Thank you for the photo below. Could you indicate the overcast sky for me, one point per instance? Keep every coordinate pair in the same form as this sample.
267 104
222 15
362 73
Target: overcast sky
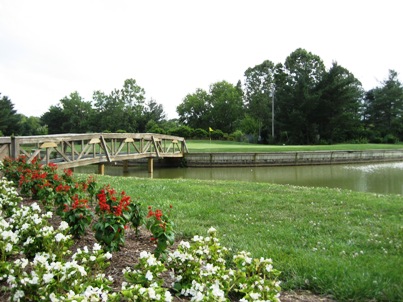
51 48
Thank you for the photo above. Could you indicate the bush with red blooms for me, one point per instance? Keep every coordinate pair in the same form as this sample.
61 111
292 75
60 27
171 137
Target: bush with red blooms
78 215
113 217
55 190
71 199
162 228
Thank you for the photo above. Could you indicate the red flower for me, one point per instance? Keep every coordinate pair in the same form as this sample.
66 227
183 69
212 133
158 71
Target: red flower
68 172
158 214
150 213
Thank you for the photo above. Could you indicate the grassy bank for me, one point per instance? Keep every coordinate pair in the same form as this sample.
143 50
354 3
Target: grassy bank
227 146
342 243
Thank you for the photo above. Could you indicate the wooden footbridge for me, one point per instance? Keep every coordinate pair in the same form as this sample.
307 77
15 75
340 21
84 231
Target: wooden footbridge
74 150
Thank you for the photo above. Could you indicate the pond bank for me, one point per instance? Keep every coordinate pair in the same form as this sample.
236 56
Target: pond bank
242 159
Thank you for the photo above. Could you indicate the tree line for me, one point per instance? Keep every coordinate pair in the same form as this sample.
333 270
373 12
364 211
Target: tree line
299 101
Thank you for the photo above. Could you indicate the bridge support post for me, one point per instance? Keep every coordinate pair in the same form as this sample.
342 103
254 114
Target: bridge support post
150 165
125 166
15 148
101 169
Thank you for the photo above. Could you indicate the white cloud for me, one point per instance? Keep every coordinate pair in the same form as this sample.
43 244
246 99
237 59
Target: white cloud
52 48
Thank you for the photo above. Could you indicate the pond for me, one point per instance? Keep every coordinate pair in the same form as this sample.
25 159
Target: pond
383 178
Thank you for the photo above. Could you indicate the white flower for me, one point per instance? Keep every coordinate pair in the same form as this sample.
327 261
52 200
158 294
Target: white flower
198 297
151 260
34 280
63 226
47 277
143 254
96 247
59 237
9 247
53 298
108 255
10 279
35 207
40 258
149 276
18 295
185 244
217 292
269 267
82 270
93 258
151 293
197 238
25 226
212 231
254 296
168 296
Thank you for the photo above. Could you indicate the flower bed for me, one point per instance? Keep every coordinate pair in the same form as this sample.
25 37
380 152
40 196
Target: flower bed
44 257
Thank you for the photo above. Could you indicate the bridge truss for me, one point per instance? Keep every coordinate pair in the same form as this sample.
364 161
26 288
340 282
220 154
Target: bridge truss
73 150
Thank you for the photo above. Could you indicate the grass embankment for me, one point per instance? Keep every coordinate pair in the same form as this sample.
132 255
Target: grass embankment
227 146
342 243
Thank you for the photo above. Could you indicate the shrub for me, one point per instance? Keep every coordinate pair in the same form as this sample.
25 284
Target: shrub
183 131
217 134
200 133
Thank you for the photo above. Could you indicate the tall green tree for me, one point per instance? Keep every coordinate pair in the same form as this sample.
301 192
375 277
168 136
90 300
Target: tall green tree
152 112
53 119
194 111
259 88
338 111
9 119
384 108
32 126
122 109
78 114
72 115
226 106
220 108
297 97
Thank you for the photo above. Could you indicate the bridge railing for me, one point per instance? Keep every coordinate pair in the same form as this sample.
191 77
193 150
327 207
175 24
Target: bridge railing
72 150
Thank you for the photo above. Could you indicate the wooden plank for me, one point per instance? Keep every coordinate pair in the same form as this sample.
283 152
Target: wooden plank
156 145
3 148
94 141
48 145
105 147
66 158
33 155
122 144
145 148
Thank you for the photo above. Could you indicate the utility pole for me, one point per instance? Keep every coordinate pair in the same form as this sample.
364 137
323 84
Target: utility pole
272 111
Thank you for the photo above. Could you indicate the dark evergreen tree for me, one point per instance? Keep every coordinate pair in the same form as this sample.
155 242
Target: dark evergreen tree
384 109
9 119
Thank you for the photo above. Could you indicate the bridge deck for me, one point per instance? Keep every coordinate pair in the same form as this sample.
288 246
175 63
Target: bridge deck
73 150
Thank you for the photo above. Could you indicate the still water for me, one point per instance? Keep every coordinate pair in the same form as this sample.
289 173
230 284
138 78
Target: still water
384 178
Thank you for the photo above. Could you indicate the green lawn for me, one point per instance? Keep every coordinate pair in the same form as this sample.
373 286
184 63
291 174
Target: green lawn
227 146
342 243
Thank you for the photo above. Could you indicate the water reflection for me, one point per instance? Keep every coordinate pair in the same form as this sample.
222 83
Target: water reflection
384 178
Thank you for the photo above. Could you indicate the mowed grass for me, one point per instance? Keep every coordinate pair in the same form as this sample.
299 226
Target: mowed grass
345 244
228 146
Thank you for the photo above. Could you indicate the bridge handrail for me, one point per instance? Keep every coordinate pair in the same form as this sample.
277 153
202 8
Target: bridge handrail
95 147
